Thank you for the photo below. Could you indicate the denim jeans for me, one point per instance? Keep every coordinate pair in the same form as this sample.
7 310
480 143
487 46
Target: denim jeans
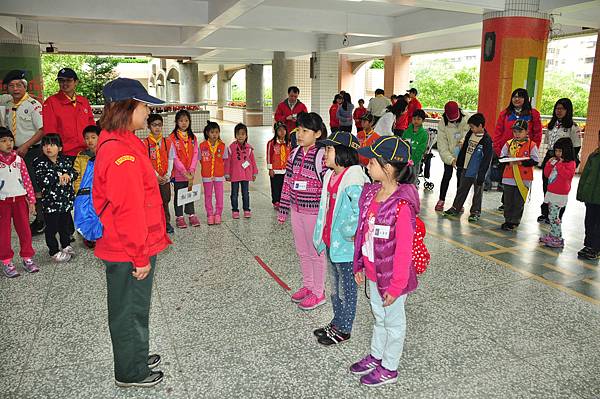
343 294
389 330
235 186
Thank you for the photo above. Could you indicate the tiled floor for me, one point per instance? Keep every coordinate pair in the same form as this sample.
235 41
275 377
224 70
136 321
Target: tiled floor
495 316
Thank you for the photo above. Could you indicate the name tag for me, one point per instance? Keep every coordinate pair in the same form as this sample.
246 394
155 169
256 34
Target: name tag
245 164
381 231
300 185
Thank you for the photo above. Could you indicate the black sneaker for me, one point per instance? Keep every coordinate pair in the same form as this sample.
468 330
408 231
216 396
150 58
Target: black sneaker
322 332
507 226
37 227
543 219
501 208
154 378
452 212
592 255
153 361
333 337
584 251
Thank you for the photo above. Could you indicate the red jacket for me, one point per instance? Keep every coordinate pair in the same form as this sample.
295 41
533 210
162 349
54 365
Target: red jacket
503 131
566 172
413 105
60 116
126 196
283 111
359 113
333 120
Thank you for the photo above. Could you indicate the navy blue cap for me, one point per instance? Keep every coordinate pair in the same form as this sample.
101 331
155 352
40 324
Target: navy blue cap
390 148
278 125
340 138
520 124
128 89
67 73
15 74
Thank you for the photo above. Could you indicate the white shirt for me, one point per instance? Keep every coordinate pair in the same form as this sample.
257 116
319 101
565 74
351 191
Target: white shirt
29 117
385 124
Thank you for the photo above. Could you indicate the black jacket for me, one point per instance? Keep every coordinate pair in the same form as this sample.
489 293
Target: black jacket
55 198
488 151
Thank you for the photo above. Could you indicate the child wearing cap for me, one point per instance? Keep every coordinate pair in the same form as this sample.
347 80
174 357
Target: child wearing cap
518 175
383 254
366 136
473 162
278 149
335 230
417 138
17 202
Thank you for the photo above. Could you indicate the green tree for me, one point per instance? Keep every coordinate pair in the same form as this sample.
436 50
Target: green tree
377 64
439 83
558 85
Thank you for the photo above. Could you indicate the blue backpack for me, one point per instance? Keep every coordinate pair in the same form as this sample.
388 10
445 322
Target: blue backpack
86 220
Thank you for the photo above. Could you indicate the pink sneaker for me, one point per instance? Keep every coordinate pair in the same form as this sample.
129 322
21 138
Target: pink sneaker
276 205
379 376
365 365
235 215
247 214
180 222
439 207
210 220
312 302
217 219
299 295
194 221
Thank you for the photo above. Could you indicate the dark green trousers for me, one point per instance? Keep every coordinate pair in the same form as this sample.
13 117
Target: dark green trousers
128 316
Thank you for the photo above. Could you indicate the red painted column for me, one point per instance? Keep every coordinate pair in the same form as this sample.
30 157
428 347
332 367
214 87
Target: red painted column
513 55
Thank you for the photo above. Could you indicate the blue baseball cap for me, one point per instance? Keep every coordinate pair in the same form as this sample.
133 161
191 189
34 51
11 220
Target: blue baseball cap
340 138
125 89
390 148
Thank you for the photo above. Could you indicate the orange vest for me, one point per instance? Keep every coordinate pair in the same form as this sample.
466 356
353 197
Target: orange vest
162 154
210 168
524 151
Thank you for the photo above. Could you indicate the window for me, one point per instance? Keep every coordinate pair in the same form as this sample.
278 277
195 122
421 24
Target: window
589 60
587 75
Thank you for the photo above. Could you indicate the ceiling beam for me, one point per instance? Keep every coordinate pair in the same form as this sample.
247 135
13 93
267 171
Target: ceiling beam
466 6
158 52
250 39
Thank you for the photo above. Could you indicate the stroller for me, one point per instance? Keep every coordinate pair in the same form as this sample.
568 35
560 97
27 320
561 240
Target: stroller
425 167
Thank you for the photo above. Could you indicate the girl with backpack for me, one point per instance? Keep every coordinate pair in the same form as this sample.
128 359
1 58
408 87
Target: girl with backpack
335 230
300 197
383 253
184 152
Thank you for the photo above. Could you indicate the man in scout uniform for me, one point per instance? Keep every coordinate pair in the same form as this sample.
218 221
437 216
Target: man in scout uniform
23 116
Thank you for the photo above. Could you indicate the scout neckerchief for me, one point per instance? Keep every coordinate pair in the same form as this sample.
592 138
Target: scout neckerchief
72 99
515 145
156 143
184 154
213 155
282 151
14 110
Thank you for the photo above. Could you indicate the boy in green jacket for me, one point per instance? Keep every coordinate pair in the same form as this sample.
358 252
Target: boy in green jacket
588 192
417 137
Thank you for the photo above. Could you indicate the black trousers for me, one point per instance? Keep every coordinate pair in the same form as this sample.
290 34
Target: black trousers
463 191
427 165
592 226
189 207
276 187
128 302
448 170
514 204
235 186
58 223
544 207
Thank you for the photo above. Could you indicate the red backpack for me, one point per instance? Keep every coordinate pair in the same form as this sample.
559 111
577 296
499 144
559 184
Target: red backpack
420 254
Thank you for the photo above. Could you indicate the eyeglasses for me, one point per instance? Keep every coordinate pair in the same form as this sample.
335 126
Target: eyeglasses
66 80
156 124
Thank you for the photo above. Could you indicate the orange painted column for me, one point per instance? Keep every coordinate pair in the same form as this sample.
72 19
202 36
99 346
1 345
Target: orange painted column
345 75
513 55
592 127
395 72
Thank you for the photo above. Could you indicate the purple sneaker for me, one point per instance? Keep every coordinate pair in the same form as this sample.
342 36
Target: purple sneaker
29 266
379 376
554 242
365 366
10 270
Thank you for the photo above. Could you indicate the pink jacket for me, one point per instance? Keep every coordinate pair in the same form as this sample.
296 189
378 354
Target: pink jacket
240 164
566 171
178 167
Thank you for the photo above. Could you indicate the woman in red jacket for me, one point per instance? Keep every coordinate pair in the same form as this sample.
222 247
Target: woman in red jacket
127 199
519 108
334 122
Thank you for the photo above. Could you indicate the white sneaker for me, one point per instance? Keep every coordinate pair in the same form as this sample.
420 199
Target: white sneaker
61 257
69 250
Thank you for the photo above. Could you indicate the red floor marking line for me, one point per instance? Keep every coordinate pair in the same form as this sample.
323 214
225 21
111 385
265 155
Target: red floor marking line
272 273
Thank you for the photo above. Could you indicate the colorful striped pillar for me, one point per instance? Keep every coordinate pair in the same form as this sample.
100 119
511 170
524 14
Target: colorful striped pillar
513 55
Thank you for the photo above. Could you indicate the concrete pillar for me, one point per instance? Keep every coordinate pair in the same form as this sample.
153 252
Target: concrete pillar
221 91
396 72
280 78
172 91
254 95
325 81
24 53
189 88
592 126
345 76
202 87
513 55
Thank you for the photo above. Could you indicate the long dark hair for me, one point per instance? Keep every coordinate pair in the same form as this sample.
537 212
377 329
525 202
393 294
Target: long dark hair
567 121
312 121
347 100
403 173
345 156
181 113
286 138
460 116
336 97
526 109
237 128
399 107
566 145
